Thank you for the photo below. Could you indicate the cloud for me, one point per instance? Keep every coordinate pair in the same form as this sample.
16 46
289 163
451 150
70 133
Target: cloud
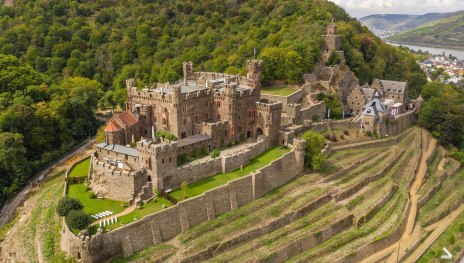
365 7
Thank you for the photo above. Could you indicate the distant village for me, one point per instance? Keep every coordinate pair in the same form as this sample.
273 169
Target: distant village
446 68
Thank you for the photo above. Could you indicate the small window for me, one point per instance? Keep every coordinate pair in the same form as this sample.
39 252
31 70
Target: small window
169 159
162 160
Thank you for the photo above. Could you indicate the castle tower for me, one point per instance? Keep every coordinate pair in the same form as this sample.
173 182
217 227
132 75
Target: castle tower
130 84
269 120
254 70
332 41
187 68
299 146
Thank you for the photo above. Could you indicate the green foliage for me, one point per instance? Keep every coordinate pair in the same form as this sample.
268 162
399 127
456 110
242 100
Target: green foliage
332 103
166 135
77 219
334 59
314 144
443 113
215 153
67 204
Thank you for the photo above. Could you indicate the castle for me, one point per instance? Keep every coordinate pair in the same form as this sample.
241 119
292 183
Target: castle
144 146
203 110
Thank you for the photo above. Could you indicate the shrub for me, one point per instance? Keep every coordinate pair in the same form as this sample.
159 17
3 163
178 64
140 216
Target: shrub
67 204
369 133
342 136
215 153
315 118
242 137
327 136
346 132
333 138
166 135
92 195
77 219
203 151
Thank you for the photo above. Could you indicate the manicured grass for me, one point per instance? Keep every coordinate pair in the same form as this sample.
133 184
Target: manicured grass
80 170
279 91
147 209
201 186
93 205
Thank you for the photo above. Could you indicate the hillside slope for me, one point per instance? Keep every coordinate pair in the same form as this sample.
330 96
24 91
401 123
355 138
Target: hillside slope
387 24
447 32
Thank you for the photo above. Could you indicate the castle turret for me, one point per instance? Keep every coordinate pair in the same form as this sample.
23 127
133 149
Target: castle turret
299 146
269 120
254 70
177 94
187 68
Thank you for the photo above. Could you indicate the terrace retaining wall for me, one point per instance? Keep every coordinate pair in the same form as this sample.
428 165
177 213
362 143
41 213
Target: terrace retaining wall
168 223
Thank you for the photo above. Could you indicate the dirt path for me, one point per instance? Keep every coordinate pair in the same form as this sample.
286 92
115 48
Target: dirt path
10 208
438 228
408 238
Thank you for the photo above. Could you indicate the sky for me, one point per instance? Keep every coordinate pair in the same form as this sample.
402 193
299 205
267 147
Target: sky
360 8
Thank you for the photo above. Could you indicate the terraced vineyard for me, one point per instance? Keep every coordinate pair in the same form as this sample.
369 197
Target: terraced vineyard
368 203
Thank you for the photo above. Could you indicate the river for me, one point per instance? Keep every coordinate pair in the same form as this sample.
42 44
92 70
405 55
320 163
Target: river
434 50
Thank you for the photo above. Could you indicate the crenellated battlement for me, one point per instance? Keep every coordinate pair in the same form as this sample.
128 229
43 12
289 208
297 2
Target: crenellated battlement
107 168
264 105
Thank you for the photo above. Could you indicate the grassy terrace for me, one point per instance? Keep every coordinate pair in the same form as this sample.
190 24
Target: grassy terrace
93 205
147 209
452 239
81 170
279 91
199 187
451 192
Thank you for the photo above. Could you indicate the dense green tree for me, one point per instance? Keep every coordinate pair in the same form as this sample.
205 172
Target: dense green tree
77 219
68 204
314 144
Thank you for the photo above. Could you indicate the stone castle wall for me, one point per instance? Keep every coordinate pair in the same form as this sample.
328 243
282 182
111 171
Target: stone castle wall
293 98
318 109
198 170
168 223
109 182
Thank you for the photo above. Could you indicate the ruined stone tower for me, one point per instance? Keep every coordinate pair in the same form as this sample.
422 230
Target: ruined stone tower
187 68
254 70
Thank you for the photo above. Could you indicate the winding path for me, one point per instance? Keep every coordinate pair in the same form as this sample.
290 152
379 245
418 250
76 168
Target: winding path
408 236
10 207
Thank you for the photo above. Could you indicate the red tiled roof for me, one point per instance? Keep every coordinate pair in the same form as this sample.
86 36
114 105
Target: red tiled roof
128 118
112 126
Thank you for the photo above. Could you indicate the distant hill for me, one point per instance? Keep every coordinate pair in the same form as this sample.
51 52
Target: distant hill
385 25
448 32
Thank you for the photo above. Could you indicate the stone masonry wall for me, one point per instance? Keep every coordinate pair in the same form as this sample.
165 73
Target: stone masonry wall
318 109
293 98
195 171
168 223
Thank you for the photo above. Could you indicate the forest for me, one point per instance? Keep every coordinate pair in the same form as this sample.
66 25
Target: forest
63 59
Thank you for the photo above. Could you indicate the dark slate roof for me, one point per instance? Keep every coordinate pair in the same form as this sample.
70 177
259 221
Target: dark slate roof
192 139
373 107
119 149
397 87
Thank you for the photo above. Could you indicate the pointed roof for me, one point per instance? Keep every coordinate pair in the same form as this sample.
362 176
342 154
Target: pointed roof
128 118
113 126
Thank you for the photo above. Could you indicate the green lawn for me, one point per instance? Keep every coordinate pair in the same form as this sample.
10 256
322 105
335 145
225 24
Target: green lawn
147 209
80 170
279 91
93 205
214 181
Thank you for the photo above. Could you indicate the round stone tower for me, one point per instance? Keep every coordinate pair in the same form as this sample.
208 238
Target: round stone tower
299 146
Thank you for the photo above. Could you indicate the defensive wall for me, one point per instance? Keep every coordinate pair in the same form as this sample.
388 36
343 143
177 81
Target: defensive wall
168 223
293 98
206 167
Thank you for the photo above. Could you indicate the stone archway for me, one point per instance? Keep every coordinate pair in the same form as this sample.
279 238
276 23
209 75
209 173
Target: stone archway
259 131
